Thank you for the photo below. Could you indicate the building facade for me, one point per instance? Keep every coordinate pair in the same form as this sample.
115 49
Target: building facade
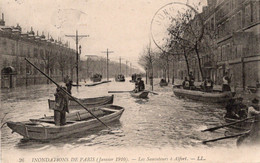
52 57
235 29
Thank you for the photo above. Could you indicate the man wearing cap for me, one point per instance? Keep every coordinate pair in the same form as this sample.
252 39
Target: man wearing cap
61 106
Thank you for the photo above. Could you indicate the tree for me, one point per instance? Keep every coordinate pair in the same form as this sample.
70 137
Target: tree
186 31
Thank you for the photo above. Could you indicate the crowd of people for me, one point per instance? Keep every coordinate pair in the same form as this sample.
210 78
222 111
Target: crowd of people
207 84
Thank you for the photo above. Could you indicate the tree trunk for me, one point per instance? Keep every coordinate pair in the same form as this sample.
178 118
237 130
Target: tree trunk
198 56
187 62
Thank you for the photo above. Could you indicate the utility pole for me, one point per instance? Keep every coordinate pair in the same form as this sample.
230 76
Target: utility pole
77 37
120 64
107 62
130 68
126 68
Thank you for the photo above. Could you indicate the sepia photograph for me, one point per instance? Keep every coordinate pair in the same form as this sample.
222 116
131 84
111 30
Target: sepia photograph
117 81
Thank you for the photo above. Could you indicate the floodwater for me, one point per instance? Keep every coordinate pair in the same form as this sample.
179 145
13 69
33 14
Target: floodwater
162 121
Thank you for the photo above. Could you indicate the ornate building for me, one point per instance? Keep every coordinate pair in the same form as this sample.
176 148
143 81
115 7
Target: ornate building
51 56
235 29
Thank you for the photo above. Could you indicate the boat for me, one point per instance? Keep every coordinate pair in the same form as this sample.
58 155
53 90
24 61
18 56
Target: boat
213 97
120 78
87 102
45 129
243 126
163 83
96 78
97 83
142 94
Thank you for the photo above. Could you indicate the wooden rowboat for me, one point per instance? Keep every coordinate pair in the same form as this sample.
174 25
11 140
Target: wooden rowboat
97 83
45 129
243 126
143 94
214 97
88 102
163 84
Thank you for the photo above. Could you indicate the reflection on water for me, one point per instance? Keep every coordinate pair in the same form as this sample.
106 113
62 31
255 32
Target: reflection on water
160 121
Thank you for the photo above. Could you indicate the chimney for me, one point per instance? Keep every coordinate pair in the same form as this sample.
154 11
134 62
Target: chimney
3 17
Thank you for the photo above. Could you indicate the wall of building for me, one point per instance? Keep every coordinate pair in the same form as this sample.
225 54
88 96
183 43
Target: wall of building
15 46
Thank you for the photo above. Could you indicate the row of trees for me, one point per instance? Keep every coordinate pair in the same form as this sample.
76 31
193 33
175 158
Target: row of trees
187 39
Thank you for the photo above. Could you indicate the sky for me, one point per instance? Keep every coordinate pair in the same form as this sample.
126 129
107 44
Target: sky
122 26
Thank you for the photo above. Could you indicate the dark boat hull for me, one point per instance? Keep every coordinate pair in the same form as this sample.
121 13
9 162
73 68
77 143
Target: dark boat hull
213 97
88 102
143 94
48 131
243 126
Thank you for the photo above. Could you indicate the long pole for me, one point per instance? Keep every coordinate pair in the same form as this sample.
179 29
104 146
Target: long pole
107 67
126 69
130 69
77 57
65 91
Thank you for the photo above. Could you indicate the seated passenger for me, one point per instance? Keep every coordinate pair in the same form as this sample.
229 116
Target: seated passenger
254 108
186 83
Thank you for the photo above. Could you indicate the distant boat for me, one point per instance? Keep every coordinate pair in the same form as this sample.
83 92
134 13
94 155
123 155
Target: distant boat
88 102
97 83
96 78
214 97
163 83
120 78
142 94
45 129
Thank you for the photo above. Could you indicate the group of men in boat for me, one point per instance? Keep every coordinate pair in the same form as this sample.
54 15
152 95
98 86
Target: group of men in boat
139 85
235 109
207 84
188 82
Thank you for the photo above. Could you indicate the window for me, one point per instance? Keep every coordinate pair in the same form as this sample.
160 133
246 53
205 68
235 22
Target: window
247 15
239 20
28 52
13 49
239 51
21 50
41 54
255 11
35 52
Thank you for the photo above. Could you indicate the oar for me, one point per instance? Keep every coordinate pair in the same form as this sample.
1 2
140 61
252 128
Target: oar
119 91
153 92
225 137
229 124
65 91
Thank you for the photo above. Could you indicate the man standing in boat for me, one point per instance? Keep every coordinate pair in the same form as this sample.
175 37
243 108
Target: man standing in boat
68 82
61 107
226 82
186 83
191 80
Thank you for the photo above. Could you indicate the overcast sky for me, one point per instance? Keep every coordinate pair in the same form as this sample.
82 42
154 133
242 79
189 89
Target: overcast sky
122 26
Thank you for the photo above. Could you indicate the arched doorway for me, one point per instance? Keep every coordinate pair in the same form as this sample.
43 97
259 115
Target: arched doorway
8 77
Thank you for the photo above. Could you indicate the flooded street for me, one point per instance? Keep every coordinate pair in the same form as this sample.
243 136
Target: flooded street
162 121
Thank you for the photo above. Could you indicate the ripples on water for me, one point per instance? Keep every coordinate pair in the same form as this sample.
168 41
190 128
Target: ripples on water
162 121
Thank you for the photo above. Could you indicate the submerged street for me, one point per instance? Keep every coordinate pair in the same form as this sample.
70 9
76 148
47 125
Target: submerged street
161 121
